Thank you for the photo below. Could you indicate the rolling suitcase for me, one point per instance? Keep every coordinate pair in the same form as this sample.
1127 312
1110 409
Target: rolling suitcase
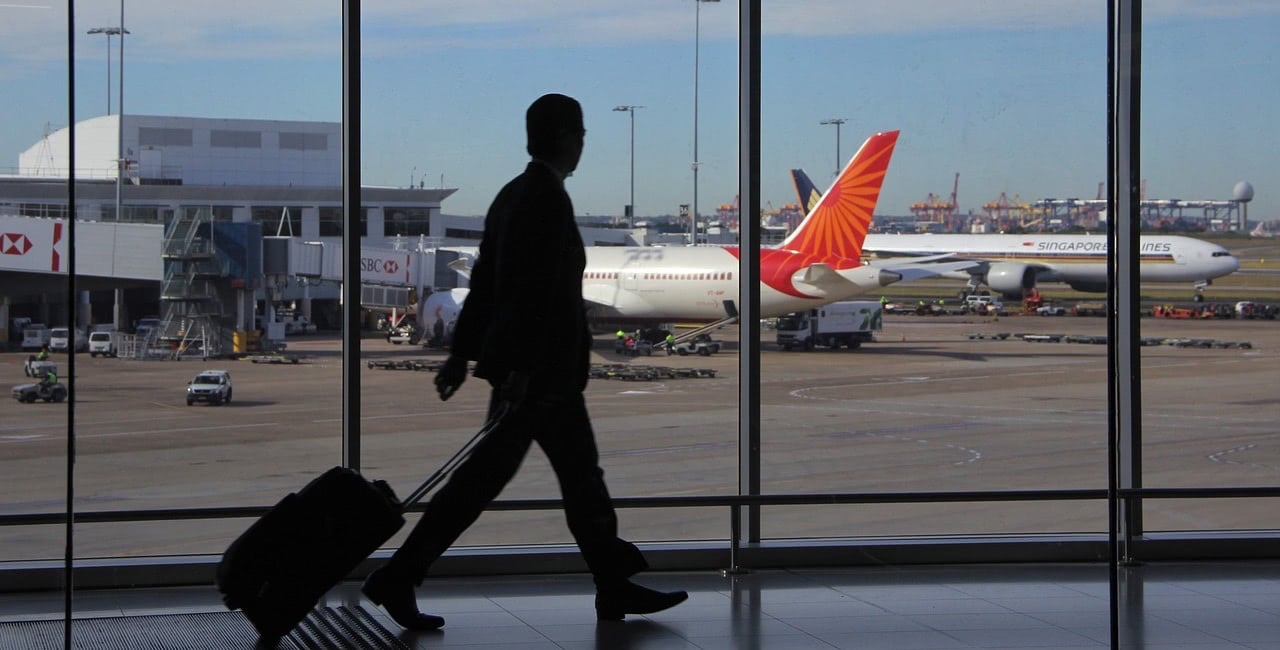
279 568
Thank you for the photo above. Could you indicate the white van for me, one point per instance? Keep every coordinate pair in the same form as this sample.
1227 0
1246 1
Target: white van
35 336
982 304
61 339
102 342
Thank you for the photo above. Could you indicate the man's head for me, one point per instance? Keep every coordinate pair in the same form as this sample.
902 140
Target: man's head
554 127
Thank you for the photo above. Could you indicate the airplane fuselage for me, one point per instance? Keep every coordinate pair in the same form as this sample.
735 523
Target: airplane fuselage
693 283
1068 258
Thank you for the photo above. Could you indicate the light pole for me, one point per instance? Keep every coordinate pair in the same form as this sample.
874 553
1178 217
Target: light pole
120 31
697 20
836 121
109 31
631 207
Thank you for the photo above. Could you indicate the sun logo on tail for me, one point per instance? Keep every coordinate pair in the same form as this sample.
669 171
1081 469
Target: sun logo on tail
836 228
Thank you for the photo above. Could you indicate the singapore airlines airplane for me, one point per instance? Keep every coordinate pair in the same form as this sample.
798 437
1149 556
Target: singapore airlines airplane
1013 264
819 263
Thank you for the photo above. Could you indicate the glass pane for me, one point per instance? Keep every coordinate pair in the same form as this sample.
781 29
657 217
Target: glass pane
906 387
173 276
1208 408
34 280
445 100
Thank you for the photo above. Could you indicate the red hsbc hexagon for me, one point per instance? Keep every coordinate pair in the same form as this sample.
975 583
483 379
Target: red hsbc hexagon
390 266
14 243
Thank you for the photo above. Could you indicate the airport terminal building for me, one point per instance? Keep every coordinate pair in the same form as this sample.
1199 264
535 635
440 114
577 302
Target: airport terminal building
253 179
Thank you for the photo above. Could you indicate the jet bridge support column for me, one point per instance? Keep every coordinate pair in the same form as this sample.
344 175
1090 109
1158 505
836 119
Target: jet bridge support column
120 311
5 334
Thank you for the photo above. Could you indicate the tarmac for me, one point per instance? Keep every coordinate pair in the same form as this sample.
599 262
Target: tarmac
943 403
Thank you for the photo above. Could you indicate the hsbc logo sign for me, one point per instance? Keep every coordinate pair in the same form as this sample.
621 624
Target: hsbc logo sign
28 244
391 268
375 265
14 243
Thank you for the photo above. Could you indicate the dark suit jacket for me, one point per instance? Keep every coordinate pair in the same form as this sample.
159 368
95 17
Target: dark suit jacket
524 311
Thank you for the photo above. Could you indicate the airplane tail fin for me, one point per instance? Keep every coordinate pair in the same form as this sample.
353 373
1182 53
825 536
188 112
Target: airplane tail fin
806 190
838 224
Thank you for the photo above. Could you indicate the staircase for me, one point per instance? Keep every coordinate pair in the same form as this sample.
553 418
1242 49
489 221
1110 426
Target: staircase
189 297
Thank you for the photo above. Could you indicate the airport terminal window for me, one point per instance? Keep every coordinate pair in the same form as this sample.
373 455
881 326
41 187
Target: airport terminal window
331 221
928 405
924 403
49 210
235 139
304 141
1225 436
276 222
406 222
149 136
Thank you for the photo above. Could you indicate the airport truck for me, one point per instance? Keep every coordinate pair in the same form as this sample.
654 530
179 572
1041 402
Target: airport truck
848 323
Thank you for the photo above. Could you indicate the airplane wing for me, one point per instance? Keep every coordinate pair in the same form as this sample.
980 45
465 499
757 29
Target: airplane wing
896 261
918 271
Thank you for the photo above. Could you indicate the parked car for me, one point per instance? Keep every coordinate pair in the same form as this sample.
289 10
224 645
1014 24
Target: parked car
983 304
35 336
1051 310
102 342
212 386
60 340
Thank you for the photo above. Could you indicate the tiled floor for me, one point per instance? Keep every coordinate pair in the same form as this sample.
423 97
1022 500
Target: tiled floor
1172 606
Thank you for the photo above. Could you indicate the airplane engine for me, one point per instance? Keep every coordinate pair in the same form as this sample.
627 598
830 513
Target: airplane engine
1010 279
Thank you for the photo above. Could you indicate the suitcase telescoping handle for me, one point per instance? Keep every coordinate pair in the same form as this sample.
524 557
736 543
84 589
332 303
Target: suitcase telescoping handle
455 460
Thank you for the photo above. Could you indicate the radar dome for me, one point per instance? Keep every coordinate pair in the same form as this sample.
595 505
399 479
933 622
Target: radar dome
1243 191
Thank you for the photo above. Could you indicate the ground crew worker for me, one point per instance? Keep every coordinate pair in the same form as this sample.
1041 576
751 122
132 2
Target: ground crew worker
671 343
50 378
43 354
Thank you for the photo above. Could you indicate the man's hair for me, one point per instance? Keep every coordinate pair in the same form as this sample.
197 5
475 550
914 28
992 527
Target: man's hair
548 117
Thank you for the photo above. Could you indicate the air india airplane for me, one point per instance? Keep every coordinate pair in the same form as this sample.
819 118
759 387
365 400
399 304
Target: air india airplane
819 263
1014 264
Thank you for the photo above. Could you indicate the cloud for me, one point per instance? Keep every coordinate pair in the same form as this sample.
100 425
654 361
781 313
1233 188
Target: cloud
302 29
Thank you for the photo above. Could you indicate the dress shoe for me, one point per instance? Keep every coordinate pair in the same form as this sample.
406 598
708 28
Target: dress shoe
397 597
616 601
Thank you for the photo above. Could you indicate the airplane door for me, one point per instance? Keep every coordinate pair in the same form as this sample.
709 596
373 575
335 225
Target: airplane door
630 280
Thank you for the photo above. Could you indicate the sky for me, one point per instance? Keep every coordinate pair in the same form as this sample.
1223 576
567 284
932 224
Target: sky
1009 94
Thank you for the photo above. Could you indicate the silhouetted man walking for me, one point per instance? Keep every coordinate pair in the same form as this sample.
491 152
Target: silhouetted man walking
526 291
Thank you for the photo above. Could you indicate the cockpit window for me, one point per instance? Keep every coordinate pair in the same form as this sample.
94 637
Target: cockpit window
1221 253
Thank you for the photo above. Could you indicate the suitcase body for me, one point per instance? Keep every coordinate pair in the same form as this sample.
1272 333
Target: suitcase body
279 568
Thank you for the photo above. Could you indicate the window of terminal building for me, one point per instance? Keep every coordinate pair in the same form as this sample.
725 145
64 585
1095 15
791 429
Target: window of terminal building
463 233
331 221
279 221
49 210
406 222
222 213
304 141
149 136
235 139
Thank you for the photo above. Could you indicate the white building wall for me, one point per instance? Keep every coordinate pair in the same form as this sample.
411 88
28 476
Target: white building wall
199 163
